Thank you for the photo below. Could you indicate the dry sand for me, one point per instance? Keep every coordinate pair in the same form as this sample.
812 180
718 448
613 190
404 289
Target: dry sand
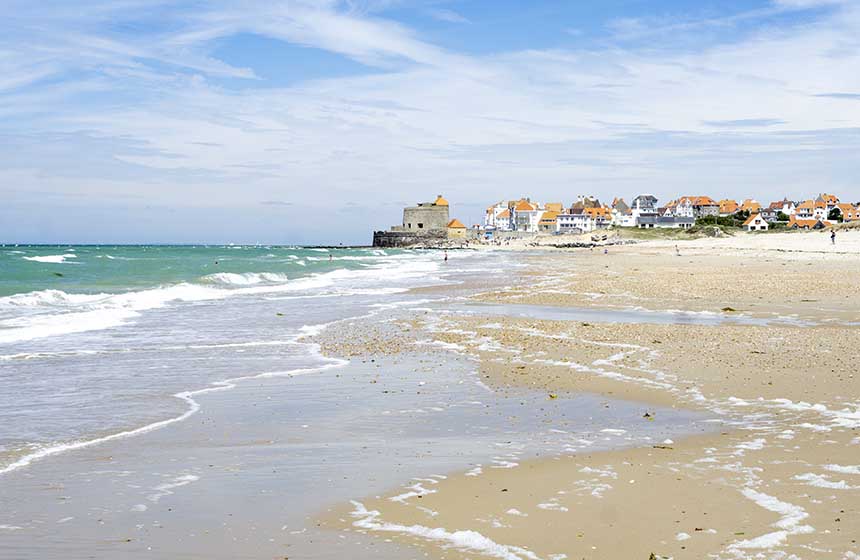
782 482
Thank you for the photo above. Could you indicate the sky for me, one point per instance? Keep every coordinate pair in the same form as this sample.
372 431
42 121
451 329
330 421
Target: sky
316 121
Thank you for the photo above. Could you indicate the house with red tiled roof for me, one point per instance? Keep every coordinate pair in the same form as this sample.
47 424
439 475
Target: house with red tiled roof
548 222
820 210
829 200
785 206
583 202
800 223
850 213
751 206
727 207
703 206
805 210
456 229
682 207
526 216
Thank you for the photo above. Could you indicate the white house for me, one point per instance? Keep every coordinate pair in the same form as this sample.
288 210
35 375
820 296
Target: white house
493 213
805 210
682 208
830 201
527 216
644 210
568 223
588 219
756 223
504 221
785 206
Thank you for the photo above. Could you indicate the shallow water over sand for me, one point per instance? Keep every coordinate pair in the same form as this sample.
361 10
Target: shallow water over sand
245 476
620 315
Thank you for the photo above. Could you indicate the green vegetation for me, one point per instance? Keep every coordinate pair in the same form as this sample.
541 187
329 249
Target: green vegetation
736 220
835 215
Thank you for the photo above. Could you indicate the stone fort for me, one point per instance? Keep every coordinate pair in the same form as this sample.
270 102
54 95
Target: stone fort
426 223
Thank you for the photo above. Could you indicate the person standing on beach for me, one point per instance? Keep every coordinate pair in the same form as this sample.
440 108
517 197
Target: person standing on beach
446 256
833 236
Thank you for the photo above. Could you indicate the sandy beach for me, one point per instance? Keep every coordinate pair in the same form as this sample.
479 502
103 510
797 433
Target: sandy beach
758 332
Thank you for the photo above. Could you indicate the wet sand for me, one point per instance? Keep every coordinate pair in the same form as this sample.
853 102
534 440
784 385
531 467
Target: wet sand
781 479
244 476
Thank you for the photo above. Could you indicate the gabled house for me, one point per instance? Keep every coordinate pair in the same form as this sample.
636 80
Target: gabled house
805 210
622 215
702 205
850 213
800 223
751 206
756 223
504 221
728 207
493 215
583 202
820 210
526 216
456 229
620 206
769 214
548 222
829 200
683 207
785 206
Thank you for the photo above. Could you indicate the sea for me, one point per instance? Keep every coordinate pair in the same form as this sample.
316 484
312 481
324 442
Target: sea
96 341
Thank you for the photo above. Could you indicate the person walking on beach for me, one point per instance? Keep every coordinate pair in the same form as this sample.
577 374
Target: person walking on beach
833 236
446 256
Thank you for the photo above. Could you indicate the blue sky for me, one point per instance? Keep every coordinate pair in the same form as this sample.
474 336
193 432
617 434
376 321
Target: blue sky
315 121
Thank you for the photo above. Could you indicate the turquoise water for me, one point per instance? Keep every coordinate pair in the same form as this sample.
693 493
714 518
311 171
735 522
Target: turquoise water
101 340
113 269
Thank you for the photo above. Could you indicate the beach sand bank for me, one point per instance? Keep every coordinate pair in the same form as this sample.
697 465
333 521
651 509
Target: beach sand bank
779 479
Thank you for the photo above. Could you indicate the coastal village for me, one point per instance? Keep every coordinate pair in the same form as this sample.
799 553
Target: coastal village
430 223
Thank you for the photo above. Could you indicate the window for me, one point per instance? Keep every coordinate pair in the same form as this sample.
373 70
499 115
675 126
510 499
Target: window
410 225
420 225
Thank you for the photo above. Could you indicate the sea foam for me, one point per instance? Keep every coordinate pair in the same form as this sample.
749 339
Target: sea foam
48 313
51 259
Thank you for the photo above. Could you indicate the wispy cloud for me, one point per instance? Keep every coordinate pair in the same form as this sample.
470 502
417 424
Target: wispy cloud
444 14
850 96
745 123
118 98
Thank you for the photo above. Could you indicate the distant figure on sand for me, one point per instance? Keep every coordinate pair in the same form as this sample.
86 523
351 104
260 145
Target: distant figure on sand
446 256
833 236
677 251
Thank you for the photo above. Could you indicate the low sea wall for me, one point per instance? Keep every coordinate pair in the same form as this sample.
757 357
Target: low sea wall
410 239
